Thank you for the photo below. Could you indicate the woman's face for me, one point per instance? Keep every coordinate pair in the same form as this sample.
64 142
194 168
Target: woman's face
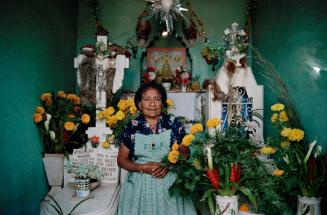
150 104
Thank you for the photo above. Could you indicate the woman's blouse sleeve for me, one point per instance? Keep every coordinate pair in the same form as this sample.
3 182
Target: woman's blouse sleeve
126 136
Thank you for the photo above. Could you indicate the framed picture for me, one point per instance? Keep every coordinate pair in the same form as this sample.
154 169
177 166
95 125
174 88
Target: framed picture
164 61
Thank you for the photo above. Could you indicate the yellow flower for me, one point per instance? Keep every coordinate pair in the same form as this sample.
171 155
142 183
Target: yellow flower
267 150
286 132
85 118
122 105
170 102
108 112
274 117
283 116
46 96
61 94
100 116
187 139
198 127
213 123
175 146
278 172
285 144
76 100
173 156
120 115
69 126
105 145
133 110
129 103
277 107
112 121
37 117
39 110
71 96
296 135
71 116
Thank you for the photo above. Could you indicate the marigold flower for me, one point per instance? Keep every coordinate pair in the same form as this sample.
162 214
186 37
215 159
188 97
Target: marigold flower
120 115
285 144
175 147
108 112
277 107
173 156
122 105
39 110
187 139
198 127
71 96
133 110
170 102
100 116
129 102
85 118
274 118
111 121
213 123
278 172
48 102
69 126
296 135
286 132
61 94
37 117
76 100
46 96
283 116
267 150
105 145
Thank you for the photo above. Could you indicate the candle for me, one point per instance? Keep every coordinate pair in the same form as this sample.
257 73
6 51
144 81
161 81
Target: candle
209 157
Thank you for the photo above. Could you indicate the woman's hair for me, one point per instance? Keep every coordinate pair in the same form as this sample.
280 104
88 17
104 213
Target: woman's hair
145 87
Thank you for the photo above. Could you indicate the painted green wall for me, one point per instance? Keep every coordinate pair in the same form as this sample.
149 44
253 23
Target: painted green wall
293 36
37 47
120 18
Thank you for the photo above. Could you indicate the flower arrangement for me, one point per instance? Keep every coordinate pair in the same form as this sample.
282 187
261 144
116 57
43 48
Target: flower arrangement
299 163
118 117
62 121
223 163
85 171
149 75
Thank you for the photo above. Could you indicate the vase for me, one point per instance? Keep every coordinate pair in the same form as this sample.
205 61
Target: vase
227 205
82 187
308 206
166 85
54 169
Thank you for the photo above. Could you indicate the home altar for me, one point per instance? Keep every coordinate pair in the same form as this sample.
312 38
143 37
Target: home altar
99 76
234 95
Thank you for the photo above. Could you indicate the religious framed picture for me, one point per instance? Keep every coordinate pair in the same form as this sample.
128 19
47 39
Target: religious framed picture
164 64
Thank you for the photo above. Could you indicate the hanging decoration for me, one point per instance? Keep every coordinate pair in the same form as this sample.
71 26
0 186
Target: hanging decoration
166 10
94 5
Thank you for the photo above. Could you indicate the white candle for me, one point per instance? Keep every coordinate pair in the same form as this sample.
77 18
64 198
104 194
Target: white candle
209 158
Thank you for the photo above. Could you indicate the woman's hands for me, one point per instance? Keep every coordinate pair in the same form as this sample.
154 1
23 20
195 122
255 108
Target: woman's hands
155 169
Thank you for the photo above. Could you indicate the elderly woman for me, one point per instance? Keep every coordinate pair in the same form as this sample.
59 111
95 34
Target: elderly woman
146 140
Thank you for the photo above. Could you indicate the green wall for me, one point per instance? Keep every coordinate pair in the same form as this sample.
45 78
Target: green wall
37 47
293 36
120 17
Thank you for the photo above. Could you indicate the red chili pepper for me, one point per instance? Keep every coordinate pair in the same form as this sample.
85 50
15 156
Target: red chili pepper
238 174
213 177
232 177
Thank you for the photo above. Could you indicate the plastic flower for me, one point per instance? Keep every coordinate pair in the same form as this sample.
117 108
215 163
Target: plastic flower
286 132
105 145
122 105
120 115
173 156
37 117
175 146
267 150
187 139
85 118
274 118
170 102
198 127
283 116
69 126
61 94
277 107
278 172
39 110
213 123
296 135
285 144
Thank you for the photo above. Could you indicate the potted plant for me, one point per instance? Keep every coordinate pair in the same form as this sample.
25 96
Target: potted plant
83 174
299 164
61 123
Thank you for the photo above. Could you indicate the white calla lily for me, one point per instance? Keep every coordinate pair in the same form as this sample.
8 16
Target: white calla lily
311 147
46 123
52 135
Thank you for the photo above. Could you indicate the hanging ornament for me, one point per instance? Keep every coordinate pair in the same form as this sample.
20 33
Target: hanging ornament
166 10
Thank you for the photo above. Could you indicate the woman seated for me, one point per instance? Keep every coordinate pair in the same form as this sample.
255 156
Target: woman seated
146 140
